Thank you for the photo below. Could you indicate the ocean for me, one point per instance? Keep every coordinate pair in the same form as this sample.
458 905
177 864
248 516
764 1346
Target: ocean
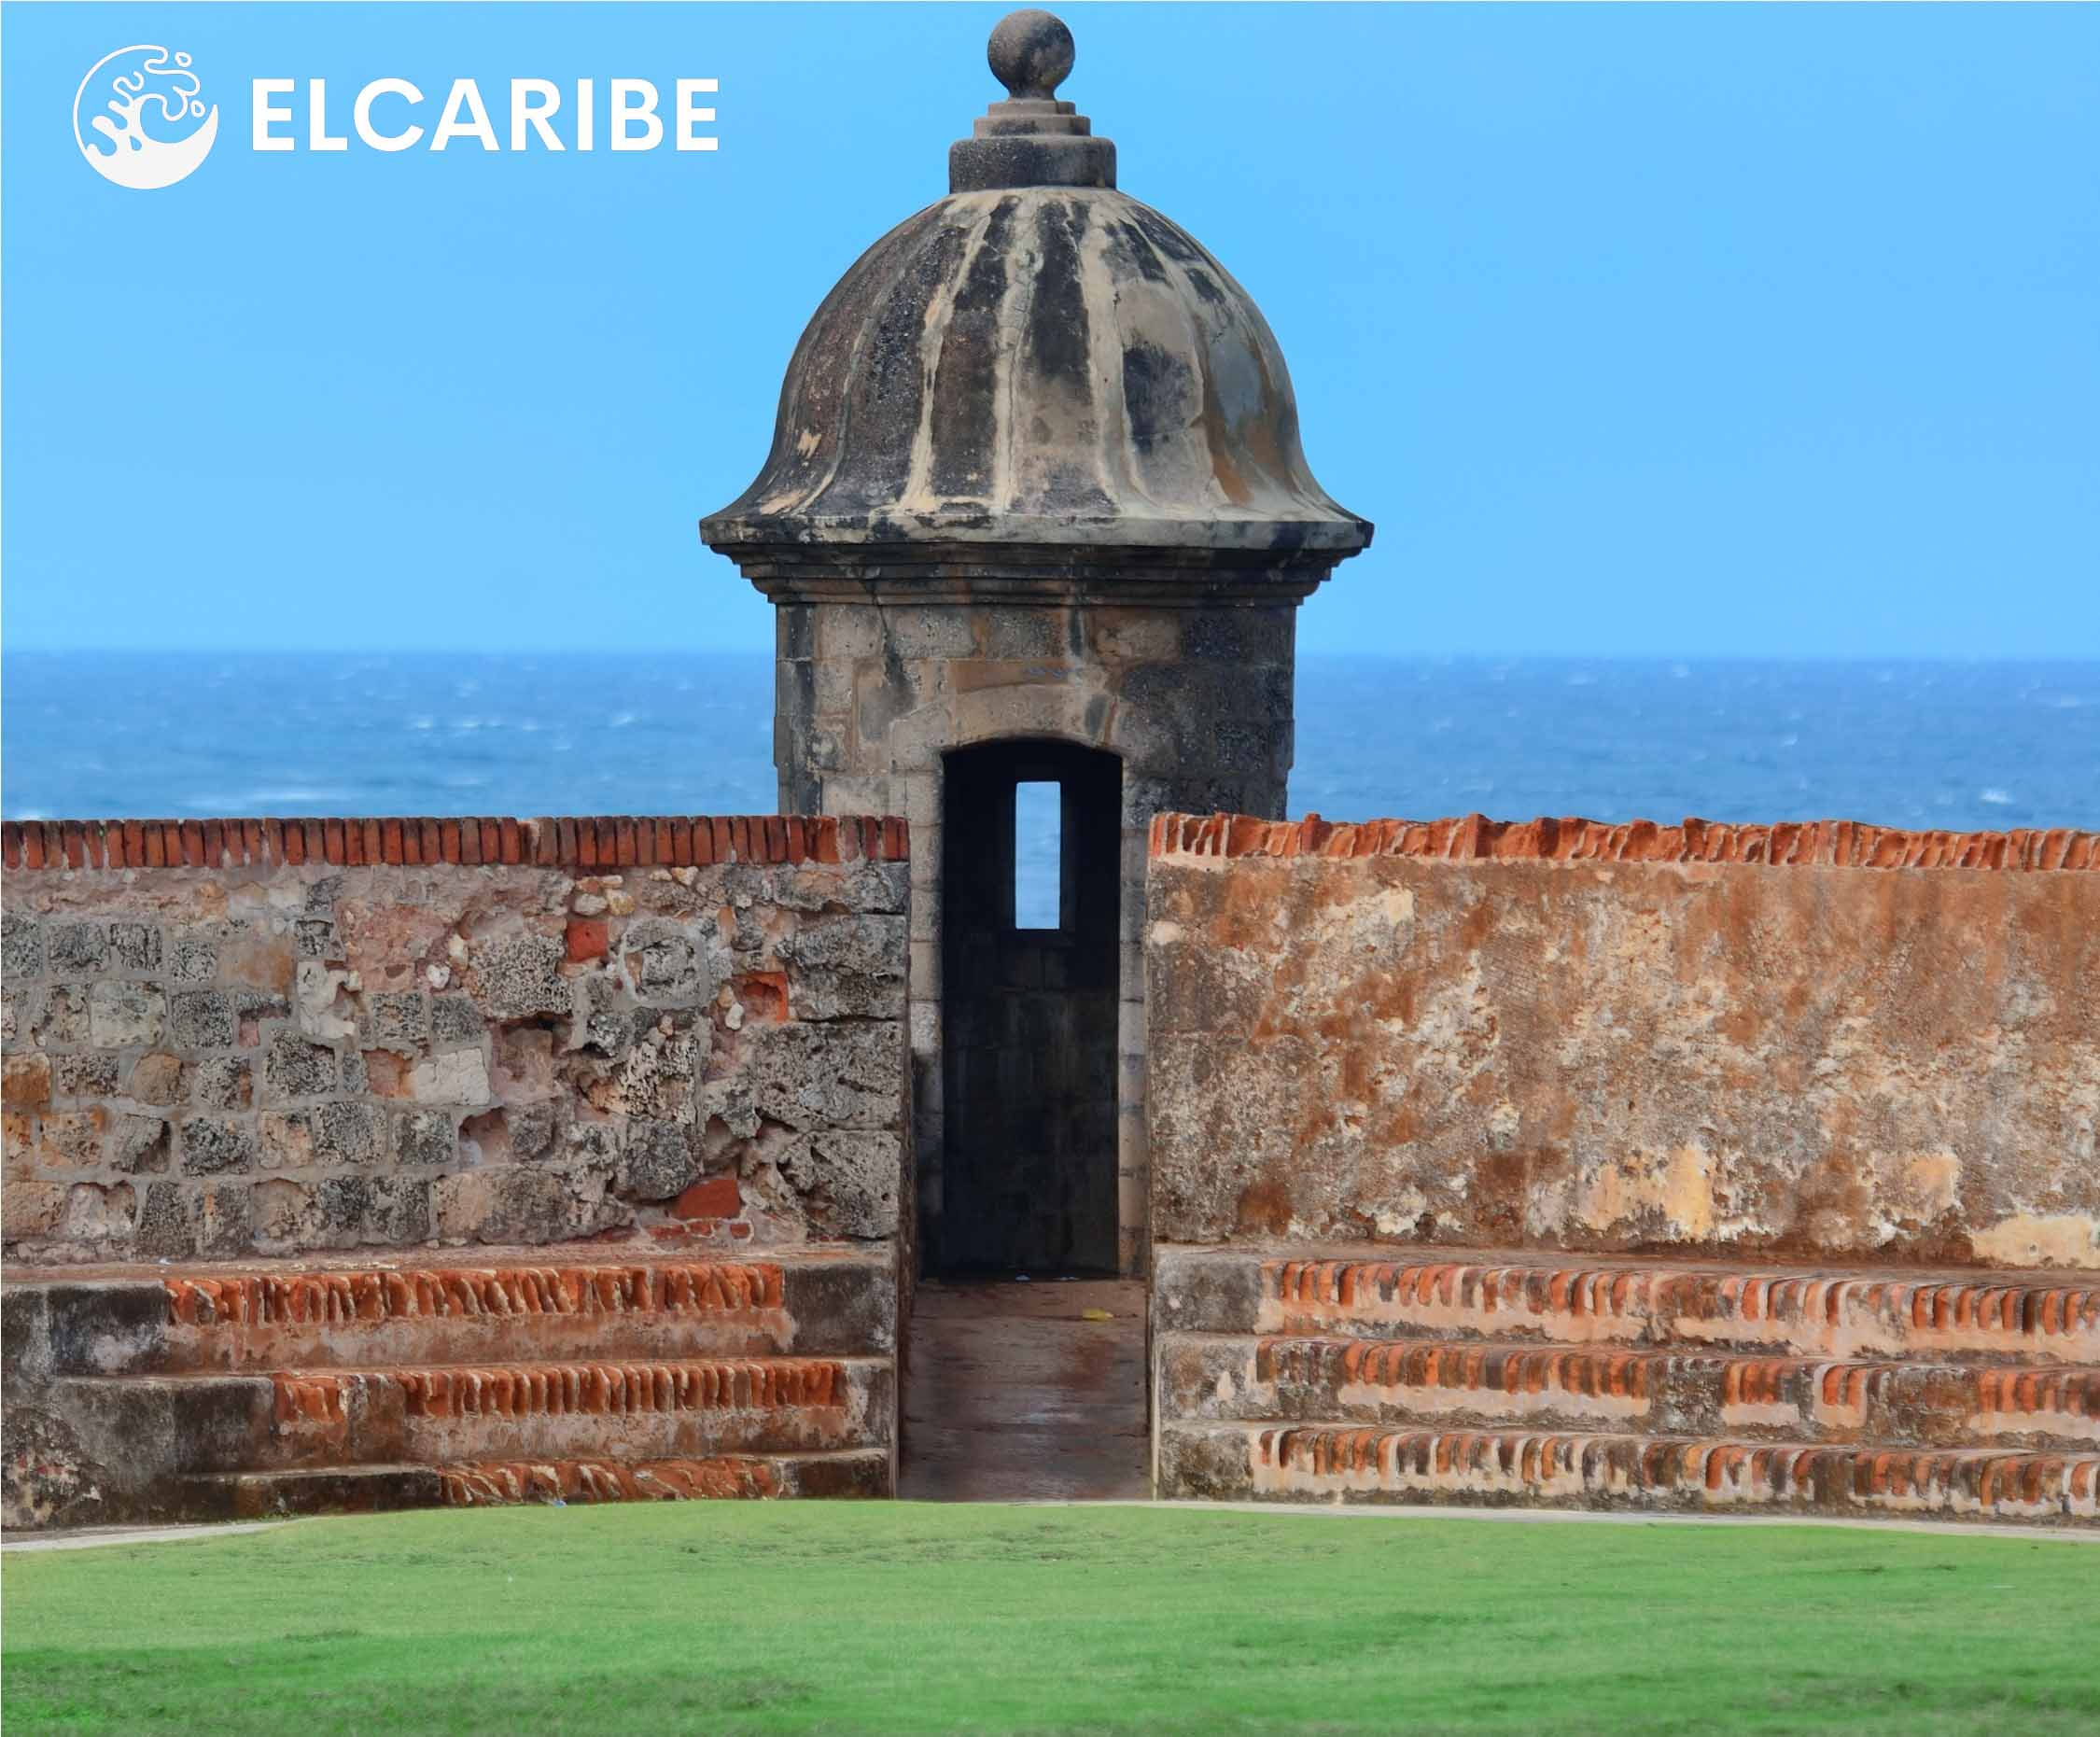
1950 744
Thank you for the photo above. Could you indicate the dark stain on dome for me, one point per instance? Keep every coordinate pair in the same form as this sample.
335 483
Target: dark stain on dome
965 387
1058 324
1157 397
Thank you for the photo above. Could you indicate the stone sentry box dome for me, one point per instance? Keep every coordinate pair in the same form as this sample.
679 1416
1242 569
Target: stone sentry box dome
1036 511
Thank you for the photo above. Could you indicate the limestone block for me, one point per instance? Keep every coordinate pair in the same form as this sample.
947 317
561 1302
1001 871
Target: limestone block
521 976
457 1076
851 1183
213 1145
203 1019
297 1068
78 949
122 1016
22 947
135 946
847 967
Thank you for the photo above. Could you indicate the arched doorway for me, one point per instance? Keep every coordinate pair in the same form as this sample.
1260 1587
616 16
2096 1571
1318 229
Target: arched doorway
1030 839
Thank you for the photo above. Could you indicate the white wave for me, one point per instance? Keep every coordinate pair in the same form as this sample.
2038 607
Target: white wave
247 801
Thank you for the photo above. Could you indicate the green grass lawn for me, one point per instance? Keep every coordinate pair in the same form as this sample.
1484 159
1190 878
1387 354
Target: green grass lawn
729 1617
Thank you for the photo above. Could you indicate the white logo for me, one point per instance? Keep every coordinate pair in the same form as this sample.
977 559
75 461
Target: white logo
144 87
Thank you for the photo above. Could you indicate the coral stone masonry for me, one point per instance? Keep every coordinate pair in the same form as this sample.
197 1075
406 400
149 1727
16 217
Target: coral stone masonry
506 1100
275 1053
1702 1167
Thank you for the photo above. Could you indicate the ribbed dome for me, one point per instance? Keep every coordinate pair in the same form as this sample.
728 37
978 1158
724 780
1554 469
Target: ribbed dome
1037 364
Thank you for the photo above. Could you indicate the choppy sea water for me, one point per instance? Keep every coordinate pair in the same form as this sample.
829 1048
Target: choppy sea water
1902 744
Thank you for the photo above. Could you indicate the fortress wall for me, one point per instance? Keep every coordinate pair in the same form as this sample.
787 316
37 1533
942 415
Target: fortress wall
254 1038
1806 1042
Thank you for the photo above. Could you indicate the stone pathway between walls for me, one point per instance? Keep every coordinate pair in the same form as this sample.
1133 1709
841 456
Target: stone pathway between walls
1014 1396
90 1537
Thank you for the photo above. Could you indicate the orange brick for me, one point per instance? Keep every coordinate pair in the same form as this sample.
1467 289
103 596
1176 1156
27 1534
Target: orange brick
718 1197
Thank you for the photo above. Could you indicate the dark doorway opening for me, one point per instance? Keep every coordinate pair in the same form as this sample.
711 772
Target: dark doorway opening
1029 890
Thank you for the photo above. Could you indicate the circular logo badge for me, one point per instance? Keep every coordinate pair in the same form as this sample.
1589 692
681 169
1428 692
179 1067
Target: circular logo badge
146 125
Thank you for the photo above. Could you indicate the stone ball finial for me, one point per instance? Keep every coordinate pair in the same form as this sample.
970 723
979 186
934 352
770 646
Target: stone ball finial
1030 52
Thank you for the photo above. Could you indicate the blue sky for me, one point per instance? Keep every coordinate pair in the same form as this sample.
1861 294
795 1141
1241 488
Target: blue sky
1646 329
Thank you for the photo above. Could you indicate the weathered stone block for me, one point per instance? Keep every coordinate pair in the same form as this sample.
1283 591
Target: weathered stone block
135 946
846 968
425 1137
31 1209
455 1021
457 1076
521 976
138 1144
212 1146
123 1015
203 1019
99 1213
399 1020
225 1219
78 949
64 1018
167 1223
25 1082
387 1210
222 1083
69 1141
659 1159
848 1074
287 1140
297 1068
22 947
668 963
522 1204
851 1183
156 1078
258 958
350 1133
84 1077
194 958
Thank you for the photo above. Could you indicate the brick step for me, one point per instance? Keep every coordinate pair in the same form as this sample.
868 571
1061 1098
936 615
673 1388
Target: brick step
528 1306
435 1414
2038 1318
1445 1384
484 1483
1523 1468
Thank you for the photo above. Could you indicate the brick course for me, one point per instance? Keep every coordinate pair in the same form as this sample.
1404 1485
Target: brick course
599 841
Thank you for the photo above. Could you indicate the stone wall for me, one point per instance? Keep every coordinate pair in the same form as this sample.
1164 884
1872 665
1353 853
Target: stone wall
1805 1043
259 1038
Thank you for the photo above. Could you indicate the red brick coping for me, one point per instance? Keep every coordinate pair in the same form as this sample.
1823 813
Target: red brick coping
587 842
1839 844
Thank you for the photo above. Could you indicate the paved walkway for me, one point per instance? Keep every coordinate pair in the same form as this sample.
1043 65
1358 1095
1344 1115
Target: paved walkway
1014 1395
88 1538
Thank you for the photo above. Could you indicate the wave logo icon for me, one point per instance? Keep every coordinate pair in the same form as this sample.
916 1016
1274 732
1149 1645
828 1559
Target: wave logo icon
145 105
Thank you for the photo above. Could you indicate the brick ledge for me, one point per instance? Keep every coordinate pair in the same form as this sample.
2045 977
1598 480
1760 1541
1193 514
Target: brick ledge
1474 837
586 841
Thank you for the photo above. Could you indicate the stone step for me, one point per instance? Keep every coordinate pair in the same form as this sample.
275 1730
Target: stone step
484 1483
435 1414
2038 1317
526 1306
1522 1468
1446 1384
